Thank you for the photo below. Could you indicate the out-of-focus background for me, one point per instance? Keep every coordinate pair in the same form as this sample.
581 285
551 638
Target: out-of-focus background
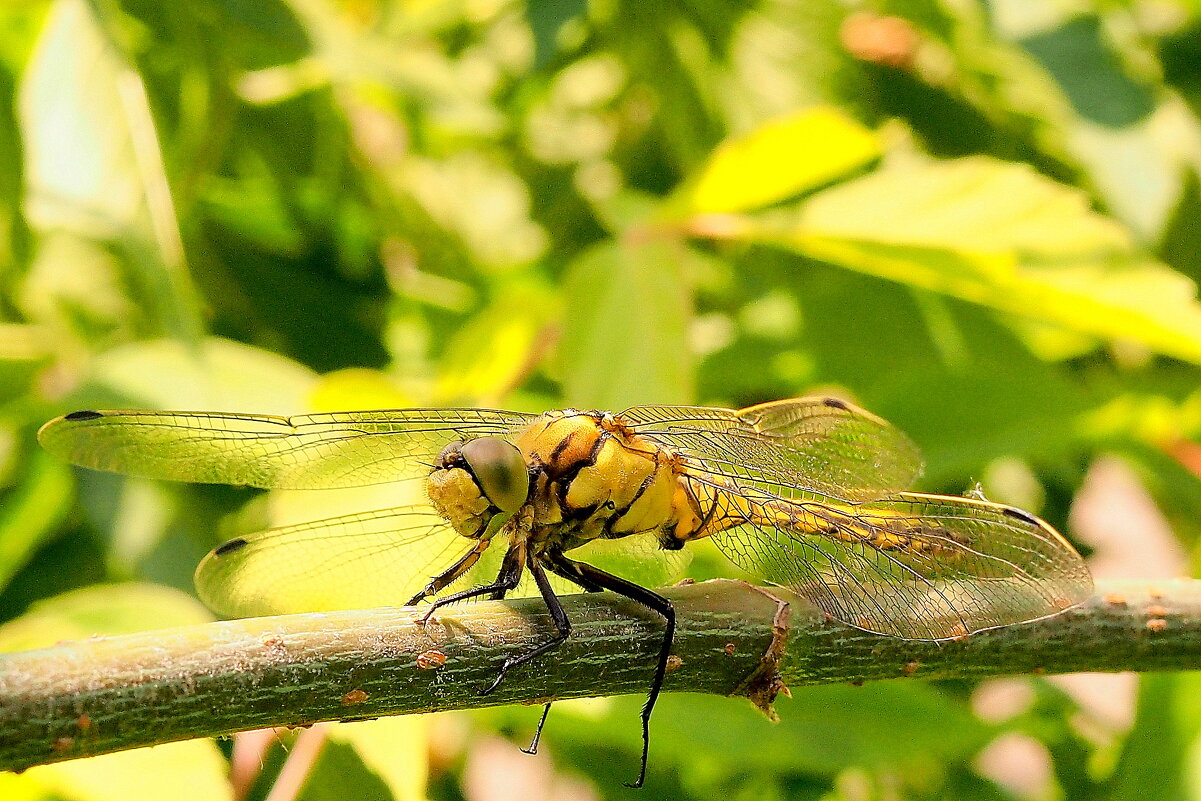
978 219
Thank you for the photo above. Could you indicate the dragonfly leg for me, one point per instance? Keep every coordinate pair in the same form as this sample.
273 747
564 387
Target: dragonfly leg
508 578
569 570
557 614
650 599
450 574
533 748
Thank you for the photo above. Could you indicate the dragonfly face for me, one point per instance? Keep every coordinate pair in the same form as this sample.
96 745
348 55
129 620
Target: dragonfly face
809 493
477 485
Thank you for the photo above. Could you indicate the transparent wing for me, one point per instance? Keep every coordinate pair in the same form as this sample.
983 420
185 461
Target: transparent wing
637 558
801 448
341 449
916 566
357 561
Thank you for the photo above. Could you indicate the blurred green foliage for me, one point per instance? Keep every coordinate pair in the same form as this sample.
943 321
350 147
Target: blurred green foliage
978 219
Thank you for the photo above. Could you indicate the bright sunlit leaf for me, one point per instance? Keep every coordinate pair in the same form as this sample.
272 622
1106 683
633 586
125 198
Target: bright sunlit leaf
104 609
491 353
217 374
193 770
1000 235
781 159
357 388
79 153
394 748
93 165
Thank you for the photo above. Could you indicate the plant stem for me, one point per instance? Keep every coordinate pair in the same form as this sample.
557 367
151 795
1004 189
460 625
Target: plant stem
109 694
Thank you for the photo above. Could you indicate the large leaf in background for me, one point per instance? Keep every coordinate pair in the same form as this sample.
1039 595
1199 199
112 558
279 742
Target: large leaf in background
32 511
713 743
394 749
1158 760
80 158
1136 140
952 377
105 609
779 160
93 165
626 313
493 352
826 729
215 375
193 770
1000 235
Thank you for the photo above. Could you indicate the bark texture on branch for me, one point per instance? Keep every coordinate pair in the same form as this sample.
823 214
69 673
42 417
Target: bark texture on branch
109 694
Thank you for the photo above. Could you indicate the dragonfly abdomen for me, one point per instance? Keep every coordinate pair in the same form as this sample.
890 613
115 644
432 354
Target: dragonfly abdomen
705 507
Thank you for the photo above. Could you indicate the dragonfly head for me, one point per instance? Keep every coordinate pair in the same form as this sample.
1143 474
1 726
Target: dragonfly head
477 485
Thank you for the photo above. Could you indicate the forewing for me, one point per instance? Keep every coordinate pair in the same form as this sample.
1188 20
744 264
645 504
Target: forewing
916 566
803 448
340 449
357 561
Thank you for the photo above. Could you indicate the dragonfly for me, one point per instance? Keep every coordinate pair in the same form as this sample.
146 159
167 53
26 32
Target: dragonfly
810 493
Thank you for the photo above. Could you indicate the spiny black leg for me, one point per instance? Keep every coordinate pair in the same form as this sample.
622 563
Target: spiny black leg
569 572
562 627
533 749
649 599
450 574
508 578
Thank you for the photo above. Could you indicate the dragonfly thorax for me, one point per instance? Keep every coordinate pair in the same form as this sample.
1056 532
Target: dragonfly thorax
591 477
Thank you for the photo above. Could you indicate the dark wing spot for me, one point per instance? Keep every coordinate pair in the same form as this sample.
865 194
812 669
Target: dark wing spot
86 414
835 402
236 544
1018 514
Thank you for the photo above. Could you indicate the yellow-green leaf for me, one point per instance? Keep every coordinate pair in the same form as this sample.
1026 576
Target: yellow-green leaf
970 205
394 748
779 160
493 351
1000 235
93 166
625 332
102 609
217 374
193 770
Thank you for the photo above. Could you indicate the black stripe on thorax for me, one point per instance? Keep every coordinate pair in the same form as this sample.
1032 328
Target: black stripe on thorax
620 513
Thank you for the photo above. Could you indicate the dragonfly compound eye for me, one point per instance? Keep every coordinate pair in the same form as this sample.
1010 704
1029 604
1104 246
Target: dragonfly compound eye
478 485
500 471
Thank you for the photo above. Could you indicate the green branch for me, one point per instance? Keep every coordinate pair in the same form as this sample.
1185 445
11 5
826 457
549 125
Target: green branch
109 694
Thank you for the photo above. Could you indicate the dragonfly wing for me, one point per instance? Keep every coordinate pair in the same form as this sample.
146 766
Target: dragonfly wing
922 567
800 448
357 561
341 449
637 558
